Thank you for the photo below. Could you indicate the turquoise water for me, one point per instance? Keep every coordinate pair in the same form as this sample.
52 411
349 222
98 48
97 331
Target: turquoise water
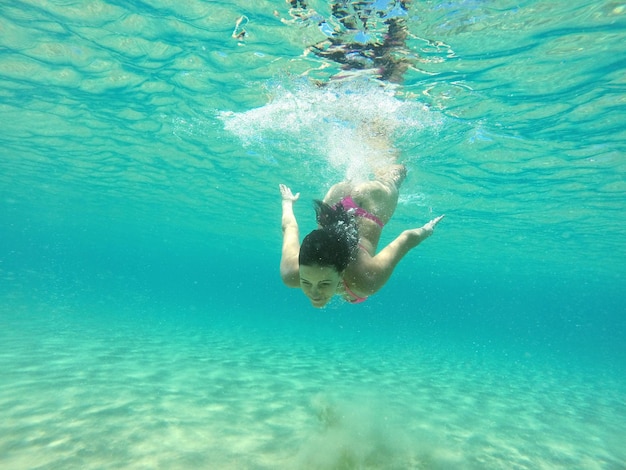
143 323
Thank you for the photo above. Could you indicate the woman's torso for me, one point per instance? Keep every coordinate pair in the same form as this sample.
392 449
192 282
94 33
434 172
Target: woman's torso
358 279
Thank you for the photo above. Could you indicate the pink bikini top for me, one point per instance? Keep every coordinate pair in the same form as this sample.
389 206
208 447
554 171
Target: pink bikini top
355 298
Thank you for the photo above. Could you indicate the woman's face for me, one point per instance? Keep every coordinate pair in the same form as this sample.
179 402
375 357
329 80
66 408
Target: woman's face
319 283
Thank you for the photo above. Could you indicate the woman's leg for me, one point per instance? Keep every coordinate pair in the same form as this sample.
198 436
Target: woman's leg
337 192
380 195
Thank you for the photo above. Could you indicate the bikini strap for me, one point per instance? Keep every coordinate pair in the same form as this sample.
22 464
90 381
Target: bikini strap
355 298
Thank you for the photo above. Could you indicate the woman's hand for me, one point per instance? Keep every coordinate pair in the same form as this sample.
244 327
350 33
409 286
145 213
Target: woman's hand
418 235
286 193
430 226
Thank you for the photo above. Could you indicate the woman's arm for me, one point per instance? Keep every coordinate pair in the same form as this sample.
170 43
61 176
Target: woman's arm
289 266
378 271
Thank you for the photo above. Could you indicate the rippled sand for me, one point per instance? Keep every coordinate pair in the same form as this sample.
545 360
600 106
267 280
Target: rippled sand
157 394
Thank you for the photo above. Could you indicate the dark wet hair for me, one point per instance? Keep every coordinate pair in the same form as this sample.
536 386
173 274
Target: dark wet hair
335 243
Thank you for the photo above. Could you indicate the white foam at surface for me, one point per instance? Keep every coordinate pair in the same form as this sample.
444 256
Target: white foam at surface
352 125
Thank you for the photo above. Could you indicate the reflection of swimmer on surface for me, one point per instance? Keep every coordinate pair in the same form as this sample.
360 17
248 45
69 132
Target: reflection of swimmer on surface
356 46
339 257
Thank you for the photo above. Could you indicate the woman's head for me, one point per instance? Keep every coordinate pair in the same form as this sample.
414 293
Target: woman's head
319 283
326 252
325 248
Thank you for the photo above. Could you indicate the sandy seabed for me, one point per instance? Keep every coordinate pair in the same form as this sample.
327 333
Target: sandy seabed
113 396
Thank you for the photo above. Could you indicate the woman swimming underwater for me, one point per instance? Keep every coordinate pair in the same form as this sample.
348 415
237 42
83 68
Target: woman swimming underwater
340 257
